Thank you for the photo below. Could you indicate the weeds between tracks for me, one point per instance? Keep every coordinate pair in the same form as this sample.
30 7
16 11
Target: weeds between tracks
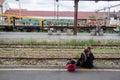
40 52
60 42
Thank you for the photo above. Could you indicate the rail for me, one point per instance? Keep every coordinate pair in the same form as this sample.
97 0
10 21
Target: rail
54 58
49 45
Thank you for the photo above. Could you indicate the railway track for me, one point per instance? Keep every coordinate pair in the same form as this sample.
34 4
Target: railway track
53 46
50 51
56 54
53 58
98 62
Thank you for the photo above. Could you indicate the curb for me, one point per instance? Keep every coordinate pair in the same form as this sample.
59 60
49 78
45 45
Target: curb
33 66
52 68
80 70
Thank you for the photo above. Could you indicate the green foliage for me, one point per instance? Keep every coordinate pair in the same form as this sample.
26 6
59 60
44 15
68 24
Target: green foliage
61 43
76 55
55 62
33 62
52 55
44 42
6 62
92 16
3 42
114 42
82 42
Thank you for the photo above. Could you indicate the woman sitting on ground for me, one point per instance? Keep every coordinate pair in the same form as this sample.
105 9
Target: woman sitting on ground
86 59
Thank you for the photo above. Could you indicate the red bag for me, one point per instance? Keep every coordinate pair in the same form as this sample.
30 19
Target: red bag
71 67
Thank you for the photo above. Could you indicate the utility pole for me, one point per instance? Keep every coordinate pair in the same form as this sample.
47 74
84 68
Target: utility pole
57 11
1 10
19 7
1 6
108 13
54 10
75 16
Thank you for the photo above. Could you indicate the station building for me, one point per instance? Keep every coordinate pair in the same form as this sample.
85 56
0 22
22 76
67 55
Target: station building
84 18
53 14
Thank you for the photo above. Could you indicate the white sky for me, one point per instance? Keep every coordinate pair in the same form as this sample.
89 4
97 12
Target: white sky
63 5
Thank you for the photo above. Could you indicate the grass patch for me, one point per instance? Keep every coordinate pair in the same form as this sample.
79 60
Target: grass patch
72 42
55 62
76 55
114 42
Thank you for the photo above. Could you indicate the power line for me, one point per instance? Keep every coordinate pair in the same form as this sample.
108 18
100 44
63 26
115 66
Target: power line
107 7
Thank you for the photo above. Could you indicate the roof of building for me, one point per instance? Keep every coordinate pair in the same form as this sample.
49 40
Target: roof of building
81 15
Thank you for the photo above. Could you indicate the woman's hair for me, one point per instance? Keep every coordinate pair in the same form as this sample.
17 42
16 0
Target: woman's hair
86 50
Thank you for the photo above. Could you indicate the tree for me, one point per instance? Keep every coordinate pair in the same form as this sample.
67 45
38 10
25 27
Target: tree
92 16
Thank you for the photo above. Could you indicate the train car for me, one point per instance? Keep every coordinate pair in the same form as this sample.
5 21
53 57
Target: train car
90 22
5 19
8 20
82 22
26 21
58 22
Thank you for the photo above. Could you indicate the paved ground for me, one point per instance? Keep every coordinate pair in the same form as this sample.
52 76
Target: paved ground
44 36
38 74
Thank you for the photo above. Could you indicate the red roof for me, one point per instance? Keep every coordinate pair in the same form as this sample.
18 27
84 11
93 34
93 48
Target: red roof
81 15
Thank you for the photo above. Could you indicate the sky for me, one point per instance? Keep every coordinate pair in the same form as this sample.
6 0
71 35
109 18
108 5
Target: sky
51 5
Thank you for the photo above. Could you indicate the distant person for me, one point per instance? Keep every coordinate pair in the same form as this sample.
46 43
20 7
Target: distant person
119 31
86 59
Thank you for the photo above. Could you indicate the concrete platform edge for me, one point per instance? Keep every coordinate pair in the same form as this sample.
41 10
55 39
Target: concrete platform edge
52 68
